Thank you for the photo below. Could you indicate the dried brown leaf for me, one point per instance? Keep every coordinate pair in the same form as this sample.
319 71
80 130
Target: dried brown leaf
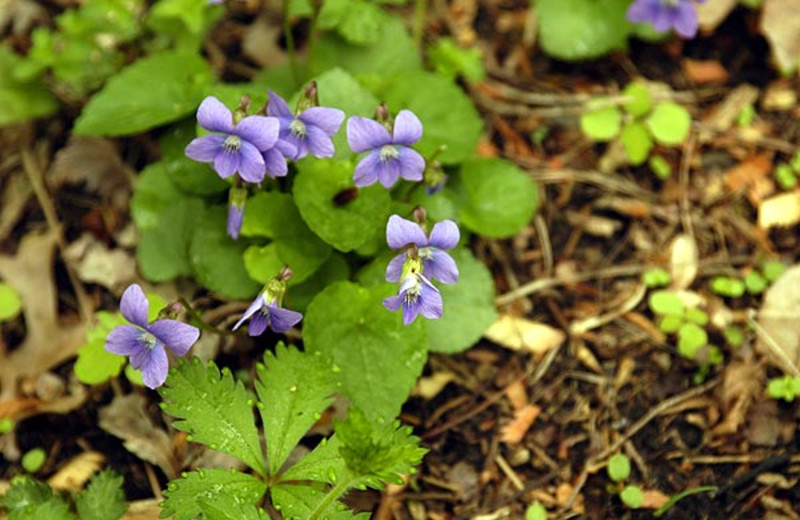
743 381
779 23
429 387
75 473
711 14
704 72
779 321
517 395
95 161
515 431
521 334
95 263
779 211
683 261
653 499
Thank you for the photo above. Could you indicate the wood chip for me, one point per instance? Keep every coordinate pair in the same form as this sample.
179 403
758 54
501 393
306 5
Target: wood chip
747 177
780 210
683 261
704 72
77 471
521 334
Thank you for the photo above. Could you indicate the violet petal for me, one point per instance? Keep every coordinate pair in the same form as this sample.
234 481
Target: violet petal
407 128
213 115
175 335
283 319
134 305
401 232
366 134
445 235
205 148
326 118
261 131
124 340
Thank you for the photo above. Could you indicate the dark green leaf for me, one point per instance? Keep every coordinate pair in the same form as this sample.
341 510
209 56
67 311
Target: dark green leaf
163 251
103 498
578 29
183 495
21 100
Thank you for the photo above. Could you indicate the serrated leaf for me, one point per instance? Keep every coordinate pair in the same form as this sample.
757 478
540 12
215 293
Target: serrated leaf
323 464
293 388
578 30
669 123
216 259
226 507
183 495
174 83
103 498
602 124
345 227
28 498
215 409
499 198
163 250
468 307
376 451
379 358
637 142
299 501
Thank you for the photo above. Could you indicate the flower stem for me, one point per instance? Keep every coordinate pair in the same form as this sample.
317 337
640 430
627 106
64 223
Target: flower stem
337 491
290 48
420 12
203 325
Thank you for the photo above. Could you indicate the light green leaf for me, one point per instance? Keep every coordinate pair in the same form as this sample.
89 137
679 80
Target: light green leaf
153 195
216 259
28 499
637 142
697 316
163 250
669 123
21 100
660 167
323 464
183 495
499 198
216 410
335 269
619 467
468 306
451 61
671 323
95 365
174 88
10 304
226 507
33 460
728 286
294 389
103 498
575 30
641 101
632 497
602 124
347 226
536 511
691 338
773 269
665 302
755 282
299 500
379 358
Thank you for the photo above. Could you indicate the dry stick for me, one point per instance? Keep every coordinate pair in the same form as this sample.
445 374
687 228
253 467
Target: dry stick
686 218
36 178
661 408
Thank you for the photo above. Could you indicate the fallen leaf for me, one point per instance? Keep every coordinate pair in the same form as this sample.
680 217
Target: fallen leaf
48 342
16 193
723 117
653 498
742 383
515 431
683 261
75 473
429 387
94 262
517 395
21 15
711 14
594 224
779 321
95 161
780 210
746 176
127 418
704 72
779 96
143 510
260 41
764 424
521 334
779 24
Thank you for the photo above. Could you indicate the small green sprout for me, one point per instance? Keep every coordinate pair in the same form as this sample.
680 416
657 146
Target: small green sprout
10 304
785 176
660 167
619 467
632 496
734 336
746 116
656 277
536 511
34 459
773 270
728 286
755 282
6 425
786 388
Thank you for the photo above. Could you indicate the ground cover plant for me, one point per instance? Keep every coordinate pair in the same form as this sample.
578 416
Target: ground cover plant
388 259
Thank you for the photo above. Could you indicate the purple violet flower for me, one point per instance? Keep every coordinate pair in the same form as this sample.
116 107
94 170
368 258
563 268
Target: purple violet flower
665 14
436 264
236 147
416 296
265 312
307 132
390 156
144 343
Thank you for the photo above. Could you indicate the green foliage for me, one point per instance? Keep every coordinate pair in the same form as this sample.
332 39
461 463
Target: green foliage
181 24
498 199
656 277
669 123
637 142
632 497
347 226
468 306
785 176
536 511
190 177
301 501
576 30
658 513
29 499
697 316
21 99
755 282
226 507
660 167
728 286
450 60
379 358
293 389
376 451
10 304
665 302
183 496
734 336
6 425
103 498
335 269
357 21
746 116
786 388
163 250
619 467
640 101
602 124
33 460
691 338
773 270
216 410
323 464
175 82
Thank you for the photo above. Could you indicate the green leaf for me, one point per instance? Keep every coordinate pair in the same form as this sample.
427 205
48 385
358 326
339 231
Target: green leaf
216 259
226 507
103 498
536 511
174 88
727 286
785 176
95 365
21 100
387 60
33 460
640 100
379 359
323 464
294 389
183 495
602 124
499 198
755 282
163 250
691 338
773 270
335 269
669 123
10 304
28 499
347 226
671 323
619 467
450 60
468 307
786 388
734 336
697 316
637 142
299 500
153 194
190 176
578 30
665 302
216 410
195 16
656 277
632 497
358 21
377 451
447 114
660 167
